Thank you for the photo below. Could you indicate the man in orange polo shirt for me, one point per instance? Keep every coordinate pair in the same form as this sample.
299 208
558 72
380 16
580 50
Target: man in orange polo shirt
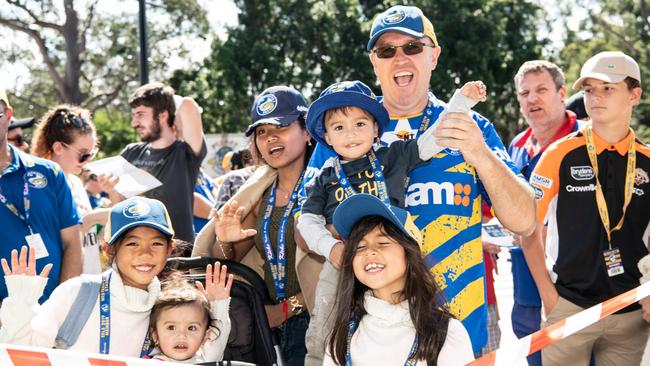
593 192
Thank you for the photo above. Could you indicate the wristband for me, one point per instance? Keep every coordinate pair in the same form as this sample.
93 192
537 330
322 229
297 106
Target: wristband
285 310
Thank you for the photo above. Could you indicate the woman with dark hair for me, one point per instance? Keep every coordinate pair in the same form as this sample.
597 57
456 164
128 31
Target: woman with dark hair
389 310
281 141
67 136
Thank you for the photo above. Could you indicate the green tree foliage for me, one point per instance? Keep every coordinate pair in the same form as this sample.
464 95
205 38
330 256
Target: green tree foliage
622 25
89 56
114 132
311 44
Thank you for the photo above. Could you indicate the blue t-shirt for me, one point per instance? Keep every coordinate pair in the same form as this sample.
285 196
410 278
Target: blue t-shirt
203 187
52 209
525 291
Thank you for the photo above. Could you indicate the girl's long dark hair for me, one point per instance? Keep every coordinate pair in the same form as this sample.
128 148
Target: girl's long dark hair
426 302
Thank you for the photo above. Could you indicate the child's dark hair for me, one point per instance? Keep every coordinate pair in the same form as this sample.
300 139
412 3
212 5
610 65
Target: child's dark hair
177 291
157 96
345 110
426 302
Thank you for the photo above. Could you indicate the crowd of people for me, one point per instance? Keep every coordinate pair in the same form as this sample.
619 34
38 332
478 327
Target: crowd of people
362 214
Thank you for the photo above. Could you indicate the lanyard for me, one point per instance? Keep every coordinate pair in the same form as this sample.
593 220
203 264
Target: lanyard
382 191
629 182
352 327
278 265
426 116
105 318
26 202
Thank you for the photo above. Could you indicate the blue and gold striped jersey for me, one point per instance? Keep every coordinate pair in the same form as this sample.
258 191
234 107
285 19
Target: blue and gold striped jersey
445 197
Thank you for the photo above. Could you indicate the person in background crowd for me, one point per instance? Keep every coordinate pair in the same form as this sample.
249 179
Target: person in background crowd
16 135
96 195
244 169
158 116
67 136
204 198
591 192
576 104
541 94
36 209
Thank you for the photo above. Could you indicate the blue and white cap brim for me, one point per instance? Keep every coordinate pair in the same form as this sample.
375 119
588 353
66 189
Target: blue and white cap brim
277 121
163 229
403 30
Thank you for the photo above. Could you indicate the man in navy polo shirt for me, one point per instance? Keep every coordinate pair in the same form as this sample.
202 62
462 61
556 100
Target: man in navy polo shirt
36 209
541 95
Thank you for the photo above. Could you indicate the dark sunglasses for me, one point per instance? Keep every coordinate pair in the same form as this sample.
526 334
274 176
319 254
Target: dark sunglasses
82 156
410 49
69 117
19 140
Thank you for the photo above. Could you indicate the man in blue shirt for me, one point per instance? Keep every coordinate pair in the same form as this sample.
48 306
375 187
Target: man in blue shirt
36 209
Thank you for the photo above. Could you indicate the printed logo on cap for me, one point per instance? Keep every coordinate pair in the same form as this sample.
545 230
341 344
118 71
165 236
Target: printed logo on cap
267 104
394 16
36 180
339 87
136 209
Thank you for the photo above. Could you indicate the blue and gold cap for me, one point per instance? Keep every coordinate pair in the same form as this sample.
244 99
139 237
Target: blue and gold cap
344 94
278 105
407 20
358 206
137 211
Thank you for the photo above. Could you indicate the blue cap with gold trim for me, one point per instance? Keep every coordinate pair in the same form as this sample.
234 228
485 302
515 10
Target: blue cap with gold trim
358 206
407 20
137 211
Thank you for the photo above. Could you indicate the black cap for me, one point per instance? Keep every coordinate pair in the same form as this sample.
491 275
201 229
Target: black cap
21 123
277 105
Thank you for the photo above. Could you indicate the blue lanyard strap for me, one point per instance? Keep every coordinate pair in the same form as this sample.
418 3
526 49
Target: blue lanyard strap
352 327
105 319
11 207
378 176
278 262
426 117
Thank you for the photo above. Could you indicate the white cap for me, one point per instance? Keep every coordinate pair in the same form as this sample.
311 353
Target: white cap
609 66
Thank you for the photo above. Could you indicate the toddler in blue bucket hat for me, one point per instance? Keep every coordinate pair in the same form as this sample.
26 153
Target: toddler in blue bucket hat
347 117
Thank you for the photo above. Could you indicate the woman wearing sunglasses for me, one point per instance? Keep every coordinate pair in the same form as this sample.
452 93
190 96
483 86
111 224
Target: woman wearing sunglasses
66 135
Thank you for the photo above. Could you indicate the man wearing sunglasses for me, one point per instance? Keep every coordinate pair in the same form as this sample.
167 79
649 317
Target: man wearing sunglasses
16 134
172 149
36 209
404 51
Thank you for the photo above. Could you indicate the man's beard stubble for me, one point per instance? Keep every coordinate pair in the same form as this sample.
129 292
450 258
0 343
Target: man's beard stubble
155 132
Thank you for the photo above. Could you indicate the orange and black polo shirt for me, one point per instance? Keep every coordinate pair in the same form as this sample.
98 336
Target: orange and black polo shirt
565 189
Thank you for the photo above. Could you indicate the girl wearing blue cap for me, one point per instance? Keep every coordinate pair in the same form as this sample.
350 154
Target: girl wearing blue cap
389 310
106 314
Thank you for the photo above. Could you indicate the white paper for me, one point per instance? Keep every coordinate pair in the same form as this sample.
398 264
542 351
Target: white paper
133 181
493 232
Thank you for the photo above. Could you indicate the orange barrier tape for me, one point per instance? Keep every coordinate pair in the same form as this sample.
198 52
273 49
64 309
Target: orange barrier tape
512 353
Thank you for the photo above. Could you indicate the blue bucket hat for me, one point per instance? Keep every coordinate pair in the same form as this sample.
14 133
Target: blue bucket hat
344 94
358 206
407 20
137 211
277 105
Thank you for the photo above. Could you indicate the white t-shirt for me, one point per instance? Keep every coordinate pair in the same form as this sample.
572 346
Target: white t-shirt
91 264
385 336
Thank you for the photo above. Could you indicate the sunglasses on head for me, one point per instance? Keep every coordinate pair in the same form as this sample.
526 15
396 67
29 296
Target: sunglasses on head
69 117
411 48
82 156
18 140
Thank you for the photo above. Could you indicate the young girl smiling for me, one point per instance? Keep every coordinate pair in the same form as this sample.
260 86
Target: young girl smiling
139 239
389 310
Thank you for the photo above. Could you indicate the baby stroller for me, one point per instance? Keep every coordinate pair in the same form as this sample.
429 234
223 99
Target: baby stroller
251 341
